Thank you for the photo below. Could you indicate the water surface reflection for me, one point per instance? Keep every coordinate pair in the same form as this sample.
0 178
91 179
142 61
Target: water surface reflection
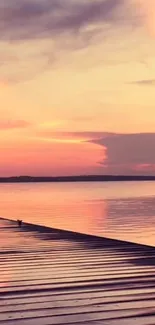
117 210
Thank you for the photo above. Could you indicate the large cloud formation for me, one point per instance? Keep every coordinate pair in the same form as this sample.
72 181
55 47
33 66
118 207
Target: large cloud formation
129 153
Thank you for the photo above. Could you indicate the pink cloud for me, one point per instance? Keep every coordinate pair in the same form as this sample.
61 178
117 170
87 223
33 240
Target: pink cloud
145 167
146 8
13 124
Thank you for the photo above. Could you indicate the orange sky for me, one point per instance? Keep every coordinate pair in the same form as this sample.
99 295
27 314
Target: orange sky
68 75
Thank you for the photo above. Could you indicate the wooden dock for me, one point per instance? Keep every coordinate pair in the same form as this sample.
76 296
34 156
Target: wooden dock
52 277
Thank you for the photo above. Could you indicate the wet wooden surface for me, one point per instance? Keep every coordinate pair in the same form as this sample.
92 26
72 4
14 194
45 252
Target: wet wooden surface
51 277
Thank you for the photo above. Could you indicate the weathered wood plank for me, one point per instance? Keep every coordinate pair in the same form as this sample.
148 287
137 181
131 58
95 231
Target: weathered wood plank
51 278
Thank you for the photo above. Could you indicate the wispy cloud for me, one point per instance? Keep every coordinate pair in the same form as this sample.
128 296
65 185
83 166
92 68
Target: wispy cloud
32 19
36 33
149 82
54 28
14 124
84 136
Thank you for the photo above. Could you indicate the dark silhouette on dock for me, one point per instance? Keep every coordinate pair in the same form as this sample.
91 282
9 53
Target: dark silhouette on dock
19 223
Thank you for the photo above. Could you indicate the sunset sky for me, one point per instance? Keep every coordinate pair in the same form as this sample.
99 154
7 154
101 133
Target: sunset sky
77 87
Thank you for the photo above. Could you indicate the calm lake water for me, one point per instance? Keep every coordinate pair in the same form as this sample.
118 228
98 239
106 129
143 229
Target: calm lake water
124 210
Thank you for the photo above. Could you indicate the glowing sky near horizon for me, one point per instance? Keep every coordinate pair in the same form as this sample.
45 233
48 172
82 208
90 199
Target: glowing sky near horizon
77 81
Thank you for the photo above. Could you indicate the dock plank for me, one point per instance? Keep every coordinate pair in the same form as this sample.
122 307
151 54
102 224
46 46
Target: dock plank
55 277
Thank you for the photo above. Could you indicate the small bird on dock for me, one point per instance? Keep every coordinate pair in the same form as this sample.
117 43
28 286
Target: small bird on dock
19 223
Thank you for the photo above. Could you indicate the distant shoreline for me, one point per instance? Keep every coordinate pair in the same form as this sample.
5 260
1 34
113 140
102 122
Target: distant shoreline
86 178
